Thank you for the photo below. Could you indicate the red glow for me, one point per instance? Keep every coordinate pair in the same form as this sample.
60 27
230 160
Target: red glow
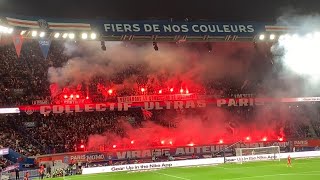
132 142
170 142
162 142
114 146
87 97
77 96
143 89
82 146
248 138
71 96
160 91
110 91
265 139
280 139
221 141
65 96
187 91
191 144
171 89
181 90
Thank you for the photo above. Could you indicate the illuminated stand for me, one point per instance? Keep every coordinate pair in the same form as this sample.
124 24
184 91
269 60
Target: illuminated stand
258 154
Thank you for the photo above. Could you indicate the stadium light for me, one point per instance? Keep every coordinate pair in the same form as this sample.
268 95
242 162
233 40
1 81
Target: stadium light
280 139
65 35
71 96
77 96
87 97
187 91
110 91
171 89
22 32
82 146
42 34
181 91
132 142
191 144
261 37
221 141
10 30
162 142
34 33
143 89
84 36
65 96
71 35
93 36
56 35
160 91
272 36
114 146
248 138
264 139
4 29
170 142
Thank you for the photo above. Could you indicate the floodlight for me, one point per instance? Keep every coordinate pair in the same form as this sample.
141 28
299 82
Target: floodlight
93 36
65 35
272 36
42 34
10 30
56 35
34 33
261 37
84 36
22 32
71 35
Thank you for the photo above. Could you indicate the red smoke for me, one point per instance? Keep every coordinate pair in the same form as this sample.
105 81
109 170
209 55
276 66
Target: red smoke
179 69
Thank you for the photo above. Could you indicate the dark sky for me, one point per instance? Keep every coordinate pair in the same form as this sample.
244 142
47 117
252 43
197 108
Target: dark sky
218 10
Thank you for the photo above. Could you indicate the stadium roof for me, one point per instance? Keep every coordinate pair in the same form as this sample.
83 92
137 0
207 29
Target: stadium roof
218 10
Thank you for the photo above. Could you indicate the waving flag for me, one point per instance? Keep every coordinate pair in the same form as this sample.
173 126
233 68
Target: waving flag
17 41
146 114
45 46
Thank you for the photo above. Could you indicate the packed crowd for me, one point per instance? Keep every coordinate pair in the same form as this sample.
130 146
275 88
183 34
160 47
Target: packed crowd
25 79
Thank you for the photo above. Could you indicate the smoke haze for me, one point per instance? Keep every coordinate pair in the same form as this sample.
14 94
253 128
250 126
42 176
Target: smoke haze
191 65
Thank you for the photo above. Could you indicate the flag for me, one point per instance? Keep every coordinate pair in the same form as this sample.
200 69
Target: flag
44 46
17 41
41 23
146 114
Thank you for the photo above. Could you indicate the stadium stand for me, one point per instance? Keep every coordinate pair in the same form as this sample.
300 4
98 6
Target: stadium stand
25 79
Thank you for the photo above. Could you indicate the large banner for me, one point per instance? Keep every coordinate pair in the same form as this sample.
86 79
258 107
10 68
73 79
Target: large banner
146 105
164 28
181 28
307 143
147 153
158 102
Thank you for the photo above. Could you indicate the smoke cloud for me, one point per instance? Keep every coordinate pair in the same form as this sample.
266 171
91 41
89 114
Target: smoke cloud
298 53
186 65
